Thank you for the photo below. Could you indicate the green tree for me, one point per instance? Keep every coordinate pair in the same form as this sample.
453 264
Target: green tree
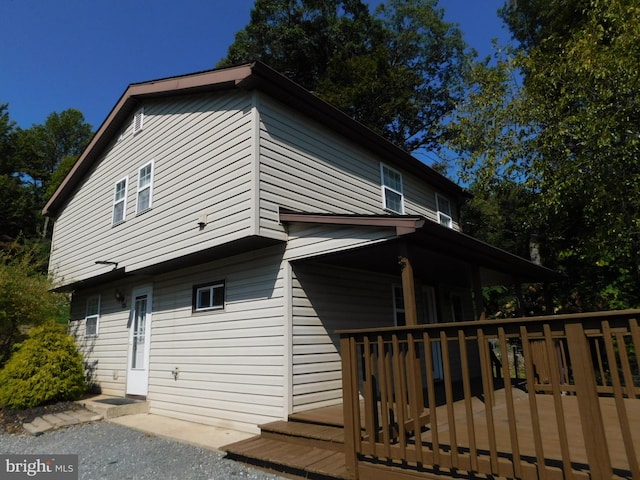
16 200
25 297
570 132
40 149
398 70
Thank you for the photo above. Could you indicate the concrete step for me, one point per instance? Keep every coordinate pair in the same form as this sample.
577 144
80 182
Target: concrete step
51 421
112 407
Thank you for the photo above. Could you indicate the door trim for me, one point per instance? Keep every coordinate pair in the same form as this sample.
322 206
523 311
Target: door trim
137 383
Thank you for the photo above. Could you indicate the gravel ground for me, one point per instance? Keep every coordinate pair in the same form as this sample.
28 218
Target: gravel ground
107 451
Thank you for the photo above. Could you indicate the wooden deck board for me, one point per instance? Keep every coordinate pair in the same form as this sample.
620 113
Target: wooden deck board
306 430
549 428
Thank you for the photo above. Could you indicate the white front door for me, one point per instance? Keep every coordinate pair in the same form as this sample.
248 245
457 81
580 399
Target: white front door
430 313
139 341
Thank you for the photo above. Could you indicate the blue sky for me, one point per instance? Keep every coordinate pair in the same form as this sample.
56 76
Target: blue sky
59 54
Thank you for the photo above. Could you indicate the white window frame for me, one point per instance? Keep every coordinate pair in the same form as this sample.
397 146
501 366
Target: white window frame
92 315
392 189
148 186
138 121
117 201
397 294
444 214
197 307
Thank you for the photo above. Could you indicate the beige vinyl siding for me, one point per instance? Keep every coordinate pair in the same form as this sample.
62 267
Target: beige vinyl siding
231 362
305 166
309 240
202 148
326 299
104 356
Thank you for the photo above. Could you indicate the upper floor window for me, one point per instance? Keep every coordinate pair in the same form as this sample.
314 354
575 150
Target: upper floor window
392 196
120 201
145 187
444 211
209 296
92 316
138 121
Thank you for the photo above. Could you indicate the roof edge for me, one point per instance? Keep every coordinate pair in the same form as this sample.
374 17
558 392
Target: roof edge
403 224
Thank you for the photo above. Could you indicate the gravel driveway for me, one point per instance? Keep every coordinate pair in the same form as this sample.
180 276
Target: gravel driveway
107 451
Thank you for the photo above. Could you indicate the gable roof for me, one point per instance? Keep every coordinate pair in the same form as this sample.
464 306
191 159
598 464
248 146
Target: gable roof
247 77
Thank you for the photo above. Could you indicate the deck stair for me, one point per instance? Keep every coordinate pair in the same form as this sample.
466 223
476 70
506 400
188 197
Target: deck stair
298 447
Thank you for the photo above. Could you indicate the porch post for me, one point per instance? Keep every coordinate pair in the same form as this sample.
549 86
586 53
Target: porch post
478 299
408 292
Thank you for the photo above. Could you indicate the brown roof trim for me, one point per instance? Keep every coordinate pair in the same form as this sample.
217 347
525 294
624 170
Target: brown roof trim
249 76
403 225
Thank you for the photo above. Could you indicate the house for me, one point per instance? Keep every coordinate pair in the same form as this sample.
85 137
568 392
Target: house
221 226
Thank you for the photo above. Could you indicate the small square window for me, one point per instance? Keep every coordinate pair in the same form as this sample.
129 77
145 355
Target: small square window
208 296
92 317
392 196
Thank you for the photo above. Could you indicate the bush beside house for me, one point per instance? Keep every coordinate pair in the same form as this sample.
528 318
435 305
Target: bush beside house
46 368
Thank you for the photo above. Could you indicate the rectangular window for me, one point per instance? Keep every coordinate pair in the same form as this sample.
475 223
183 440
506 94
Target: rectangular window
398 306
392 196
92 317
145 188
120 201
138 121
209 296
444 211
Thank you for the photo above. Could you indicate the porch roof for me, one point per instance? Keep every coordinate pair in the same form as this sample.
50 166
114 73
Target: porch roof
431 246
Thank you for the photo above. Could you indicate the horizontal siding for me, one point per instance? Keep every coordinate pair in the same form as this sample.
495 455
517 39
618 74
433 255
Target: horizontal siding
202 148
231 363
104 356
305 166
308 240
326 299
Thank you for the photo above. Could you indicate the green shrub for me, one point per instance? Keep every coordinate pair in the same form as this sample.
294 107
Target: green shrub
46 368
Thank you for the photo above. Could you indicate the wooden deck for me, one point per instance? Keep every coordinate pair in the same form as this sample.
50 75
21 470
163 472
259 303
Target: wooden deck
573 413
311 444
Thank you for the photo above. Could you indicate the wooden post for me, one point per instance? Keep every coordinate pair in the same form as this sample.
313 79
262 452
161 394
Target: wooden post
408 292
588 402
350 403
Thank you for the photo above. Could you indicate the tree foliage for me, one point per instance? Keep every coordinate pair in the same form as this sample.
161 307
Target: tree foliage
570 132
397 70
33 162
25 297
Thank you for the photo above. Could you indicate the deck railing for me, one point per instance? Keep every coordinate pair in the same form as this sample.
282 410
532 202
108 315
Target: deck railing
543 397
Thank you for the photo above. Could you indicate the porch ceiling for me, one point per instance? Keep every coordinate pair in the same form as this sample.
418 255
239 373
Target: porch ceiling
436 253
